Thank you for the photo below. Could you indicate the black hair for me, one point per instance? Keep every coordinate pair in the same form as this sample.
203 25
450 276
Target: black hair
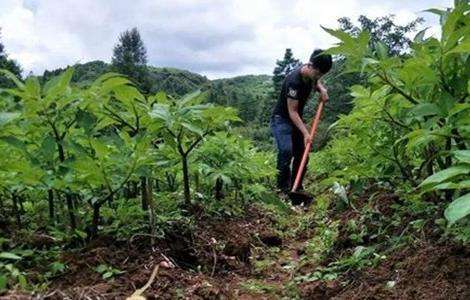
321 61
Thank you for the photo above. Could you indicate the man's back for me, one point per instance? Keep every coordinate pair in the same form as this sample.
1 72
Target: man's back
293 87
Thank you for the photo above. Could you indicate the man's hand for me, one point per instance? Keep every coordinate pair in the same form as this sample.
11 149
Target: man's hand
323 91
307 138
293 107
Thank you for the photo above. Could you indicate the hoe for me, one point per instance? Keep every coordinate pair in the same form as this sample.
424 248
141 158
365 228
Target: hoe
300 197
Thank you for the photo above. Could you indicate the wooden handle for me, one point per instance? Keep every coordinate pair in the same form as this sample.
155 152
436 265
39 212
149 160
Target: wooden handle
313 131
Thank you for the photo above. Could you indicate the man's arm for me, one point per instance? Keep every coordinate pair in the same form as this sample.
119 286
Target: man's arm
322 90
293 107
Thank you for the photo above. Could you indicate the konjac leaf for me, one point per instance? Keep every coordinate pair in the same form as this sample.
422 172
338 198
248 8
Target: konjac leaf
193 128
462 156
452 185
462 48
425 109
12 77
446 174
339 34
436 11
419 37
58 85
101 268
114 82
32 87
9 255
458 209
6 117
3 282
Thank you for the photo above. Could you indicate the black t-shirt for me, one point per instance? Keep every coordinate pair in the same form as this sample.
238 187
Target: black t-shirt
294 87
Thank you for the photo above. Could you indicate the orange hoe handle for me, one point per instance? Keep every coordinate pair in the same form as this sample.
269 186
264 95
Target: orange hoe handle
313 131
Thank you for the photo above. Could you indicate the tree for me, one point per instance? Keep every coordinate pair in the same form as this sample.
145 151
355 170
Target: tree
10 65
187 123
227 160
383 29
410 118
283 67
130 58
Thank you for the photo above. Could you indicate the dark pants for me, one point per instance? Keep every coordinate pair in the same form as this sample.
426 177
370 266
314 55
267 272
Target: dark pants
290 144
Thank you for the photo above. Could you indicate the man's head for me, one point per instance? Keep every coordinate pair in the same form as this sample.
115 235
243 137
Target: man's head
320 63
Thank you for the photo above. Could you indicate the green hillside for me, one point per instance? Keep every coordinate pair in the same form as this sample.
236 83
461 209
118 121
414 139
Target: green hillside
171 80
250 94
175 81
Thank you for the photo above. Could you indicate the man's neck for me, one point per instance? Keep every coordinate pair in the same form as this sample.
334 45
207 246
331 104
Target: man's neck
303 74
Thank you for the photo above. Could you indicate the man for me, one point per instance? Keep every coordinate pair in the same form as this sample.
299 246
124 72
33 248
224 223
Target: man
290 132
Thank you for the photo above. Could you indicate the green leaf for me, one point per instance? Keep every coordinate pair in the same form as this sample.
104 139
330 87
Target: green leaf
382 50
99 81
6 117
32 87
101 268
464 47
186 100
425 109
86 120
101 148
58 85
57 267
15 142
13 78
3 282
160 111
419 37
127 93
458 108
436 11
359 91
193 128
451 19
161 97
458 209
339 34
22 281
445 175
114 82
368 61
452 185
9 255
462 156
81 234
47 148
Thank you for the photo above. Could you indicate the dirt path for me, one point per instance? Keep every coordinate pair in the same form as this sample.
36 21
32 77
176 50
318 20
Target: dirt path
258 256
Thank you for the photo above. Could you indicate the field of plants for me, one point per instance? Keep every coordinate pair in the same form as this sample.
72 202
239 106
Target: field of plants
109 190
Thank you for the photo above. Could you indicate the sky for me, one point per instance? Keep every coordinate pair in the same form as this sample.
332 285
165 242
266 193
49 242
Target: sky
216 38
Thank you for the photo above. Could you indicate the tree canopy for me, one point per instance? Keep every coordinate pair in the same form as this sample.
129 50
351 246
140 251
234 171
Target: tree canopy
7 64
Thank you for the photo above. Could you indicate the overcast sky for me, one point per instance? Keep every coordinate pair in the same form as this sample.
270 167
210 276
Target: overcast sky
217 38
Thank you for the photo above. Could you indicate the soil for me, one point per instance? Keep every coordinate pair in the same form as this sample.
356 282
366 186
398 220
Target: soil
215 260
424 272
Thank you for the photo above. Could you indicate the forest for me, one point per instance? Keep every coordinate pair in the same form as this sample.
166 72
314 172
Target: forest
123 180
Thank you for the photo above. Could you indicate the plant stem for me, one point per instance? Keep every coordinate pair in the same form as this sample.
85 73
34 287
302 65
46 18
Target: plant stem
50 200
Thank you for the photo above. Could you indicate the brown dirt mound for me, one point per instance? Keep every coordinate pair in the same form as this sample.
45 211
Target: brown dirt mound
428 272
213 262
209 260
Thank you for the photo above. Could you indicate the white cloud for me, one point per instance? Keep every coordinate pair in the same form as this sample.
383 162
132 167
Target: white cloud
213 37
